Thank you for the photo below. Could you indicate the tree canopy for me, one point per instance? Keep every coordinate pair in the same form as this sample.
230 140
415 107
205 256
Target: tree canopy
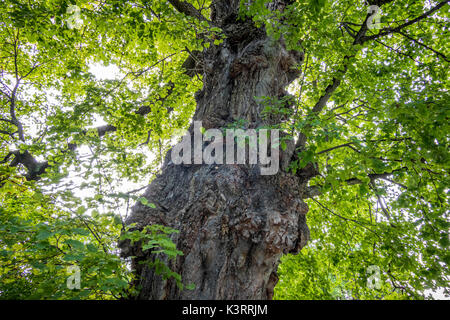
371 114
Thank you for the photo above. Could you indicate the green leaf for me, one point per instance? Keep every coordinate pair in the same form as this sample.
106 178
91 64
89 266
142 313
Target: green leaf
44 234
75 244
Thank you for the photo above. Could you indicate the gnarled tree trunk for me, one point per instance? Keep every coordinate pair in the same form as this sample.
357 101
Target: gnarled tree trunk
234 223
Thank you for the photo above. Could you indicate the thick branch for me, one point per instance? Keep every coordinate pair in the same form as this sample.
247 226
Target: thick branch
12 111
105 129
34 168
188 9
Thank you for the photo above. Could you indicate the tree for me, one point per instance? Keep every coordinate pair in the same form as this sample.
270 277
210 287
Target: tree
362 117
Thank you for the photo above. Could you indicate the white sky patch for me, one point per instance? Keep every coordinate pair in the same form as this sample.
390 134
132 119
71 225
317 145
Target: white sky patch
102 72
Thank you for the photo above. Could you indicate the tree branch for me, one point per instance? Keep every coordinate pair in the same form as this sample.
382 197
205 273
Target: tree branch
315 190
35 168
188 9
105 129
443 56
331 88
12 100
374 176
346 219
349 145
11 134
398 51
387 31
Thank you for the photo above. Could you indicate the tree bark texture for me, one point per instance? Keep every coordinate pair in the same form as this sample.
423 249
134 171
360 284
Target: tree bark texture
234 223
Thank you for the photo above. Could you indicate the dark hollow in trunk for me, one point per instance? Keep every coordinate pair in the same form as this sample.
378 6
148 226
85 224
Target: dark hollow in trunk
234 223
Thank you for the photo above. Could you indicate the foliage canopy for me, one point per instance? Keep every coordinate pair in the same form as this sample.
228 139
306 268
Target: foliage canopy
72 141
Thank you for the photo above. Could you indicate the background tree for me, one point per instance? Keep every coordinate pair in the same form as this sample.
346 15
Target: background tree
364 123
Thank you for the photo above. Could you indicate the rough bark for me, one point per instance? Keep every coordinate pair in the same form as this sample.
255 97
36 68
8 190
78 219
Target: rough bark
234 222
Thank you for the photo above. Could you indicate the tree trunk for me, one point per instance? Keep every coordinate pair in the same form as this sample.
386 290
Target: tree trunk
234 223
